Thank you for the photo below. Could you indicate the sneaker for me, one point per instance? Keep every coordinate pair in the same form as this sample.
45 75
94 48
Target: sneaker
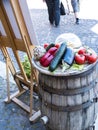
77 20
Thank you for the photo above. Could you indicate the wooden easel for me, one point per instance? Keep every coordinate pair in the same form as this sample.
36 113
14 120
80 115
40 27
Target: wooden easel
9 40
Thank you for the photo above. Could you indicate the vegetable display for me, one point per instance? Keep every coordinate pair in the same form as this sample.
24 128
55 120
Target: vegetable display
61 56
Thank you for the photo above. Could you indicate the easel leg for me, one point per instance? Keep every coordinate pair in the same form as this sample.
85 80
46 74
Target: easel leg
8 83
31 95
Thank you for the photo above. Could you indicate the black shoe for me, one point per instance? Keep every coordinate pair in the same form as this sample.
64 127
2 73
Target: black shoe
77 20
51 22
56 25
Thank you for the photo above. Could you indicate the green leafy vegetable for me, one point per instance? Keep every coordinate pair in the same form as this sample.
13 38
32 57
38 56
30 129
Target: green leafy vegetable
77 67
27 66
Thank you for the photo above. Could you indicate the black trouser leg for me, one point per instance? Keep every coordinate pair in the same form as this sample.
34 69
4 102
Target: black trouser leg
50 6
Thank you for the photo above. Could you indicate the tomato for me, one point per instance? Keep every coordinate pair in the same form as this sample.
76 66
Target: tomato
79 59
57 45
82 50
46 45
91 57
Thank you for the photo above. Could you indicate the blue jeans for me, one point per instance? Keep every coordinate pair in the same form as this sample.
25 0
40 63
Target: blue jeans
53 11
75 5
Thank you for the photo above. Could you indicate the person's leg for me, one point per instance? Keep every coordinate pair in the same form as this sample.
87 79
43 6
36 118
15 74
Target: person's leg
75 6
57 12
50 10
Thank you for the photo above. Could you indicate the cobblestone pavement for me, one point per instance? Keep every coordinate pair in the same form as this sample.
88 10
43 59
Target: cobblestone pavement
13 117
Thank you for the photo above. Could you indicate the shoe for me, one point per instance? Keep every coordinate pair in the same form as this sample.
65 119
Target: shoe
77 20
51 22
56 25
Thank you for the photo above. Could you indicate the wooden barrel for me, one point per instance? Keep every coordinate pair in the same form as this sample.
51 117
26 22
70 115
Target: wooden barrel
68 101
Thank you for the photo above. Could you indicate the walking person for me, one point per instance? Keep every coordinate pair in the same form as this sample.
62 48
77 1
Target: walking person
76 9
53 11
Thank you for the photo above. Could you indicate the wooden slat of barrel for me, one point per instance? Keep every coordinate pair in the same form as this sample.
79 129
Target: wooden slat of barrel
75 120
54 100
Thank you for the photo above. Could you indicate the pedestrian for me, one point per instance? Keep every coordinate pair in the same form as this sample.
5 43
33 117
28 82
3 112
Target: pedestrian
53 11
76 9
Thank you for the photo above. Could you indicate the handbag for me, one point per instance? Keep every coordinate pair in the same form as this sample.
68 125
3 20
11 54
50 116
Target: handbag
62 9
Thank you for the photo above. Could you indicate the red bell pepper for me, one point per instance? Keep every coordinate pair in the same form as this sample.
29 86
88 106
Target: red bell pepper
48 56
